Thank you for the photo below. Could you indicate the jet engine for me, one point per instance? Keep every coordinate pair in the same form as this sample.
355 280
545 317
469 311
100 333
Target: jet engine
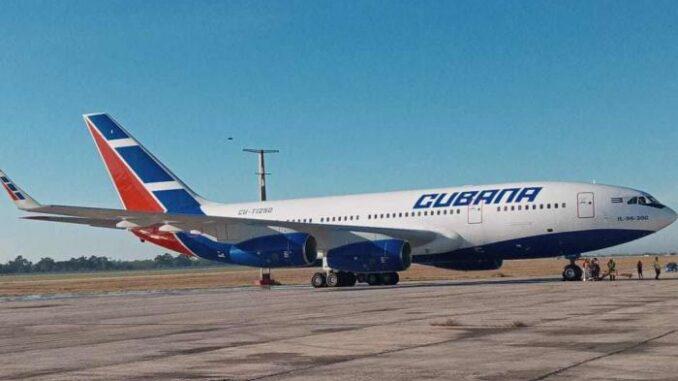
280 250
389 255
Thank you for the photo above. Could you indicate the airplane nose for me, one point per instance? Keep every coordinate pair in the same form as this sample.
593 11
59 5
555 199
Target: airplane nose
672 215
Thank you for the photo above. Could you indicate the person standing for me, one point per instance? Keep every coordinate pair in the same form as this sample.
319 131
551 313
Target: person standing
657 267
639 266
612 269
587 270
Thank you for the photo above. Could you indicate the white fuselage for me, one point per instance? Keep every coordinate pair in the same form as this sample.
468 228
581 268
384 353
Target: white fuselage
559 210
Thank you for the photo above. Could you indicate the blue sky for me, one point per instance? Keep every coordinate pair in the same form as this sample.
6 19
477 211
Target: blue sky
359 96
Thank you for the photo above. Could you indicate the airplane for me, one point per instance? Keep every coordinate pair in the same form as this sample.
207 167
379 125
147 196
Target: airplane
366 238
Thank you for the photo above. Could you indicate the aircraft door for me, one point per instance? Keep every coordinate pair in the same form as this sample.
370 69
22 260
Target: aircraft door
585 205
475 214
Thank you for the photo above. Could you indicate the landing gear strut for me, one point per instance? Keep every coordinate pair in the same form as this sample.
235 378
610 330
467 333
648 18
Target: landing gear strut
266 278
572 272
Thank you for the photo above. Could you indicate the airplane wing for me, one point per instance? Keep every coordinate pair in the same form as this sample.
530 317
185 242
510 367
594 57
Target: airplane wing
124 219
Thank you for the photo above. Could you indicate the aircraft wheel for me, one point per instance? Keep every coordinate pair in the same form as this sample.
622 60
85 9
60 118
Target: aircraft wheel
572 273
396 278
349 279
318 280
374 279
390 279
333 280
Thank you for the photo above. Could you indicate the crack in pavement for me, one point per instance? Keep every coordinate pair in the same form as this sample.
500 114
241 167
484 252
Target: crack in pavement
604 355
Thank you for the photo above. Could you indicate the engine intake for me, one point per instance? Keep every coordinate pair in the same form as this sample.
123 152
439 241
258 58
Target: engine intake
387 255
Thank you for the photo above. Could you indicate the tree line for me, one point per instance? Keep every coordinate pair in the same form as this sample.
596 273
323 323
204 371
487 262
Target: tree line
21 265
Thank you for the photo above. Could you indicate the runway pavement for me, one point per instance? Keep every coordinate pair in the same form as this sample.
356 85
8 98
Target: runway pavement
499 329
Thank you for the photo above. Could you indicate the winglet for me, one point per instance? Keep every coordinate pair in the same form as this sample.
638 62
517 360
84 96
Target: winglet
20 198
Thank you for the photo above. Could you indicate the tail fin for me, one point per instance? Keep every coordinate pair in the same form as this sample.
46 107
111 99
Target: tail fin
20 198
143 183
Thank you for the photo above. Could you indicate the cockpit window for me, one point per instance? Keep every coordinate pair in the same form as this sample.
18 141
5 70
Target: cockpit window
654 203
646 200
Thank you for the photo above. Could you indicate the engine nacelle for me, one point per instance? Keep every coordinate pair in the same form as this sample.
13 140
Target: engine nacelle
387 255
280 250
472 263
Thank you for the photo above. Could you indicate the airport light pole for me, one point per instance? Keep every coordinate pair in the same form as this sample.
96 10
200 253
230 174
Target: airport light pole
262 169
265 278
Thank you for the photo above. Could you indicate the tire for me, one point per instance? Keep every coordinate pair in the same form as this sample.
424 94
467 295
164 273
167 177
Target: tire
572 273
396 278
318 280
387 279
374 279
349 280
333 280
390 279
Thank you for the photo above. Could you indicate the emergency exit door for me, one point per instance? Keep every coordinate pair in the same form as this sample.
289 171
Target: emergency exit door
585 205
475 214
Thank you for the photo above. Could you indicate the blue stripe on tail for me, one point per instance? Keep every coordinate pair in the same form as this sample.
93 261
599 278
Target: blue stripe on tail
148 170
178 201
107 126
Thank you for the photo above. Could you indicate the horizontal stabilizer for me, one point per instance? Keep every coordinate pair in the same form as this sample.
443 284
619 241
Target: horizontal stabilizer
20 198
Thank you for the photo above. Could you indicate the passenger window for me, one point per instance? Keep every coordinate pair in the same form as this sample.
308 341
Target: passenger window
548 206
555 205
438 212
458 211
520 207
534 207
563 205
351 218
513 208
541 206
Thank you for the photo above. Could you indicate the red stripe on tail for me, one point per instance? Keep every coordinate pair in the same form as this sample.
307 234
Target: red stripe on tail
132 192
11 194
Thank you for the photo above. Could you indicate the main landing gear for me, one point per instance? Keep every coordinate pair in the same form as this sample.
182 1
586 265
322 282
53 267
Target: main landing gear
347 279
572 272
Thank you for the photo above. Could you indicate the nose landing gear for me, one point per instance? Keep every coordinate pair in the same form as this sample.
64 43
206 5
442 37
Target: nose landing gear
572 272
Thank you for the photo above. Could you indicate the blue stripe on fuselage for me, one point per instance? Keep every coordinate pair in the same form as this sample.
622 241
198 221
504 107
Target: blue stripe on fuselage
542 246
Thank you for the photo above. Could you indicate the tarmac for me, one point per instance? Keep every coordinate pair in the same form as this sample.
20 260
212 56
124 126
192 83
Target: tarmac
496 329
